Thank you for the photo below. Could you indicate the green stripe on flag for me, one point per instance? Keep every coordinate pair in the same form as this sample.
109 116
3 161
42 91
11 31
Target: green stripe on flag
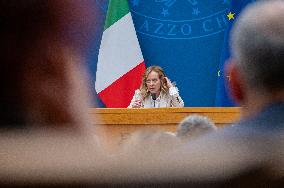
116 10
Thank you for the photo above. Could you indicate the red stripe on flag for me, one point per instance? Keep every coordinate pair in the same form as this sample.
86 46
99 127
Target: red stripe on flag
120 92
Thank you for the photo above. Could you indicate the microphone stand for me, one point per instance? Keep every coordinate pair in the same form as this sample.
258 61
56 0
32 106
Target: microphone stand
154 97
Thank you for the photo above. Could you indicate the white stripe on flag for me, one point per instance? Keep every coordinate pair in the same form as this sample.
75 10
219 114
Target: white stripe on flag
119 52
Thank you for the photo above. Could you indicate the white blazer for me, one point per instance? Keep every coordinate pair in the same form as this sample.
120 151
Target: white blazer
164 100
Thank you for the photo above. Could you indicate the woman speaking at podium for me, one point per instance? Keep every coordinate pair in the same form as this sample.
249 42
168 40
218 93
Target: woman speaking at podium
156 91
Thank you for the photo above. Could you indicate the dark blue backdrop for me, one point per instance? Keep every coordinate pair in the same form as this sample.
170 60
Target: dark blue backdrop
222 96
185 37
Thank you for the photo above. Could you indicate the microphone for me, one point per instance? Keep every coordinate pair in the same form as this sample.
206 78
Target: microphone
154 97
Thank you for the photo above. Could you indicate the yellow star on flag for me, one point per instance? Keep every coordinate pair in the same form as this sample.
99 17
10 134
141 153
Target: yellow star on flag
231 16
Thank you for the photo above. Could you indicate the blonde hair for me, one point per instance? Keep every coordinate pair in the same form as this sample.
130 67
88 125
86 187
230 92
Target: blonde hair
143 88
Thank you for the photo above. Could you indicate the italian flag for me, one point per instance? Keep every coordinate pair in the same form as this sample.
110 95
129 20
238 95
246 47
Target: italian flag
120 63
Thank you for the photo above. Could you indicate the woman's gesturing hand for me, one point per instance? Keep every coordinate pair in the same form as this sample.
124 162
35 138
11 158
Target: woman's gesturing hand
168 81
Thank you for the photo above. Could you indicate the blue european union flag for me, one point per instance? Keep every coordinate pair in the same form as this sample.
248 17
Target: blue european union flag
222 97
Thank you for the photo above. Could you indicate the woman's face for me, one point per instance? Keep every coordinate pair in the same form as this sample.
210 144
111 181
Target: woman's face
153 82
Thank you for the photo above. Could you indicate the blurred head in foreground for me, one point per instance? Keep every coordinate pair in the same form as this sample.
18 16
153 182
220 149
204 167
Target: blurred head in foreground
256 68
194 126
149 142
43 44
